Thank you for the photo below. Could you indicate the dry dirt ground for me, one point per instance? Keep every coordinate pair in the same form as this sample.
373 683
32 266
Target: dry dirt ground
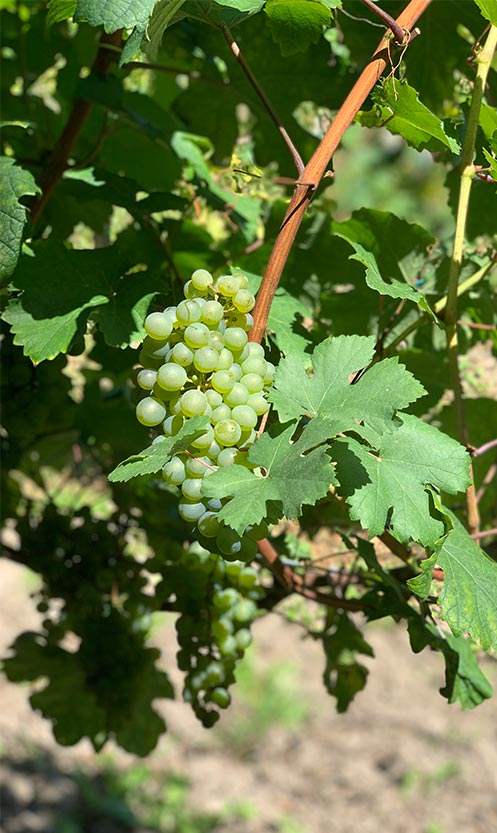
400 761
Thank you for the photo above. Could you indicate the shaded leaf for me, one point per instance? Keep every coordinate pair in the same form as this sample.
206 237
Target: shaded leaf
343 675
15 182
296 24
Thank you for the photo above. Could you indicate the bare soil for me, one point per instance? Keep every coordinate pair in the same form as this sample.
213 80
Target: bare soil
400 760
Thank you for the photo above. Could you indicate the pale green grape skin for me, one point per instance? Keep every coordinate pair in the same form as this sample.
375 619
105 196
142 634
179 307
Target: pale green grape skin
196 467
244 611
191 292
253 382
227 456
244 301
252 348
214 504
216 340
182 355
188 312
193 402
205 359
227 285
191 488
150 412
146 379
225 359
212 313
213 398
221 412
196 335
214 674
171 376
238 395
214 450
248 438
227 432
204 441
191 511
221 628
208 524
243 639
242 280
222 381
235 338
269 375
258 403
172 424
236 371
174 471
228 597
202 279
228 646
255 364
249 321
158 325
245 416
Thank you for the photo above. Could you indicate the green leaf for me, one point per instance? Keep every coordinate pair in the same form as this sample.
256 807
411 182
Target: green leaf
488 9
289 476
15 182
389 486
399 108
59 284
220 12
343 675
162 15
114 14
282 320
488 120
492 161
153 458
327 396
469 593
59 10
296 24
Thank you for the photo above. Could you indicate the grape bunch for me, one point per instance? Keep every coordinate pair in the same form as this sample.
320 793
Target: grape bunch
217 602
196 360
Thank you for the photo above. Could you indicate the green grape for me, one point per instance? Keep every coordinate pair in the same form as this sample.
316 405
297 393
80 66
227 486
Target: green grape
174 471
155 349
227 432
225 359
236 371
213 398
202 279
188 312
269 375
253 382
214 674
248 438
249 321
146 379
225 599
220 696
192 488
235 338
252 348
216 340
221 412
191 511
228 541
172 424
243 639
196 466
228 646
205 359
212 313
258 403
182 355
214 450
191 292
196 335
208 524
222 381
244 301
238 395
171 376
245 416
227 456
222 628
244 611
214 504
158 325
149 362
150 412
242 280
247 578
257 531
193 402
255 364
227 285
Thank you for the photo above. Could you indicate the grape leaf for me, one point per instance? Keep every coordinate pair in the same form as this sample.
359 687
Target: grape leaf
295 24
488 9
162 15
153 458
14 183
114 14
469 593
289 477
220 12
328 397
492 161
59 10
399 108
343 675
390 487
282 317
488 120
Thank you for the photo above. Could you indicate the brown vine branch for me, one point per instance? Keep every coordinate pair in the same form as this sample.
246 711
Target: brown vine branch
235 49
484 448
316 168
57 163
397 31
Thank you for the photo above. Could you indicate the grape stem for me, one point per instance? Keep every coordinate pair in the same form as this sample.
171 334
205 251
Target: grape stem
318 164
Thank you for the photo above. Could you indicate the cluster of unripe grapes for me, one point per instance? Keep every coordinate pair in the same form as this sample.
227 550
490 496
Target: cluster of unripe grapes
213 642
197 361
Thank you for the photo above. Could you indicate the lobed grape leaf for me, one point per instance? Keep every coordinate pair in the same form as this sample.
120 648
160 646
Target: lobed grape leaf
469 593
114 14
295 24
162 15
15 182
289 476
399 108
153 458
389 486
327 395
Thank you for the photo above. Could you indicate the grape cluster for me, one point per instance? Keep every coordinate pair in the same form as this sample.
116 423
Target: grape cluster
196 360
217 602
